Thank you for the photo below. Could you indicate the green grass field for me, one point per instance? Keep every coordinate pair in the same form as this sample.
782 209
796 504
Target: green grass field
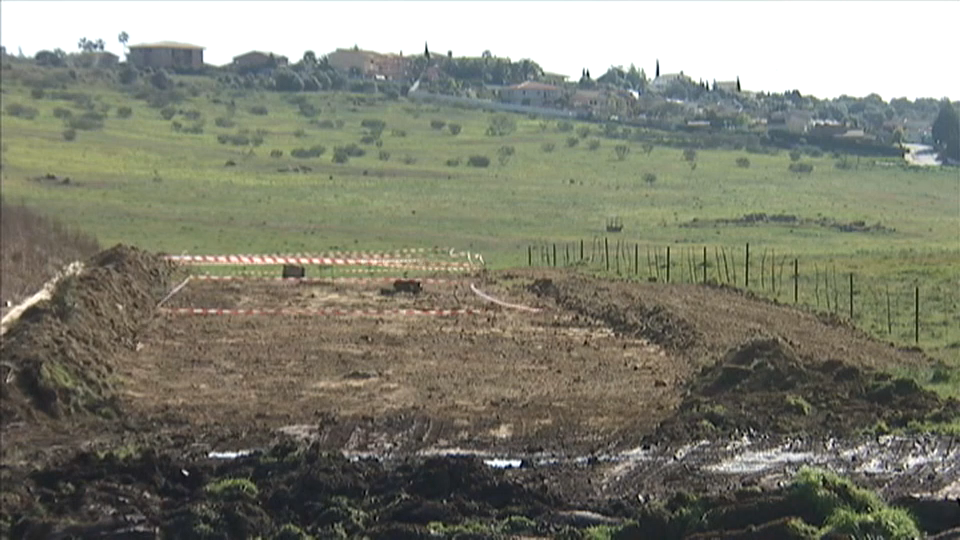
137 181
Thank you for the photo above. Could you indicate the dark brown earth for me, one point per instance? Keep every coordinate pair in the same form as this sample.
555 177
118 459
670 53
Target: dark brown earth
604 366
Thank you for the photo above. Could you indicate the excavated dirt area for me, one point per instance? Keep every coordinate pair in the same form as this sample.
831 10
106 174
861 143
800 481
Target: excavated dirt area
610 392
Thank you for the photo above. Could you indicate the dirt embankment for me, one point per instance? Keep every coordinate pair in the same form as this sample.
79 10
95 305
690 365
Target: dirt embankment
59 357
764 387
763 368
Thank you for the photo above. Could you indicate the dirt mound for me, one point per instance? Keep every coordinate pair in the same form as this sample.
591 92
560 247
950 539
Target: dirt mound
60 355
291 491
623 312
763 386
289 487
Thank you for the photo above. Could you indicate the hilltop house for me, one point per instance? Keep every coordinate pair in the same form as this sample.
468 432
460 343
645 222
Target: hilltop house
166 54
532 93
792 121
726 86
255 60
663 82
360 63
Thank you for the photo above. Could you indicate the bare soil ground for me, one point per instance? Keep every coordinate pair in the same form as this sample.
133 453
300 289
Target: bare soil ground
603 367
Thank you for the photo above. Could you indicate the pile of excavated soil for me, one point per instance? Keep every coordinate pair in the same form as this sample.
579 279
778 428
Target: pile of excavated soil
256 496
763 386
291 491
59 357
763 367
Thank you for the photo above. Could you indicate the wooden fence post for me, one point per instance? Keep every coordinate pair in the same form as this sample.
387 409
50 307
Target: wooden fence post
851 296
796 277
636 258
704 264
606 252
581 249
668 264
529 255
746 269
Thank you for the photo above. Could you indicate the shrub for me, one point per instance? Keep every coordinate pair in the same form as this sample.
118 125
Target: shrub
239 139
373 124
649 178
794 155
124 112
167 113
583 132
88 121
192 115
572 141
37 93
501 124
384 155
312 152
409 160
454 128
843 164
340 155
801 168
259 110
161 81
689 154
453 162
621 150
224 122
437 124
176 126
307 110
22 111
564 126
353 150
69 134
285 80
548 147
593 144
647 148
368 139
62 113
339 123
299 133
193 129
478 161
398 133
323 124
504 153
743 163
276 153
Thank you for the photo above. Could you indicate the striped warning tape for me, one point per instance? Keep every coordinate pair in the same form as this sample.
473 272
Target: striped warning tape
210 277
377 254
272 260
328 312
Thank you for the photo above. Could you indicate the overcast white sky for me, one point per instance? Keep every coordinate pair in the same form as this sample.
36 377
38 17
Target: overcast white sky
893 48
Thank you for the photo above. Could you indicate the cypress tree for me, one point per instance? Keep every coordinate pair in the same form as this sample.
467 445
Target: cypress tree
658 69
738 83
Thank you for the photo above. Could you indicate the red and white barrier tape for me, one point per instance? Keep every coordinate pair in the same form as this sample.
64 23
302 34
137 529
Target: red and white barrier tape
328 312
251 260
208 277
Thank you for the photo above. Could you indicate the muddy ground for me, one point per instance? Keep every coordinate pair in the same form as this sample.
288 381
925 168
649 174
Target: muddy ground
596 399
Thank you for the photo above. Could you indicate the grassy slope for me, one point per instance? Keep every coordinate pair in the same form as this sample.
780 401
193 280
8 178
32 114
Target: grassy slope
202 206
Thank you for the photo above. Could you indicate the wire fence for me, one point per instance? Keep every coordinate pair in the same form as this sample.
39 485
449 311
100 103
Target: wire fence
901 310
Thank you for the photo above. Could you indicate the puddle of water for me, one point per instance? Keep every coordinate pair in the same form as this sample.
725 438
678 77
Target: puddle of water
758 461
230 455
504 463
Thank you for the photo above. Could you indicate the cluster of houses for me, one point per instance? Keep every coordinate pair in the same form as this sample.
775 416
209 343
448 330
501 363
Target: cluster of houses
552 91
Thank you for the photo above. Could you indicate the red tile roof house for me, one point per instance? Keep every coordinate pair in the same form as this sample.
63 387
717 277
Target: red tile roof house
166 54
531 93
